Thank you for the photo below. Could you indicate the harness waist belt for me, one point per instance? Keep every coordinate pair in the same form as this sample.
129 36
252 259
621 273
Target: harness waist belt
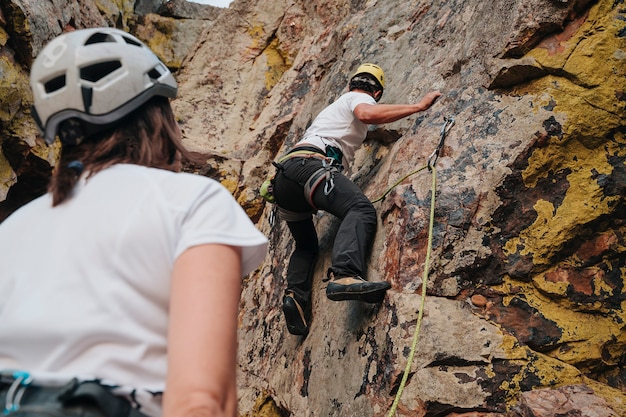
89 395
303 154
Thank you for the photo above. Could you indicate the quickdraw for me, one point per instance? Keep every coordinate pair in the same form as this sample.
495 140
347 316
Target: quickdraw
447 125
432 159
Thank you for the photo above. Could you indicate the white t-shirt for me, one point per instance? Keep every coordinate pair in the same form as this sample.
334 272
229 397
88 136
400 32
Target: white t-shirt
337 126
84 286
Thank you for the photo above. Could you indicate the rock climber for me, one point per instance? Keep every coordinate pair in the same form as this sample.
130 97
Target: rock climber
311 177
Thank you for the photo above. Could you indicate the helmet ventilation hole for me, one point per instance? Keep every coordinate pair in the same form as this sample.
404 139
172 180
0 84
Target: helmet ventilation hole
131 41
55 84
98 71
99 38
154 73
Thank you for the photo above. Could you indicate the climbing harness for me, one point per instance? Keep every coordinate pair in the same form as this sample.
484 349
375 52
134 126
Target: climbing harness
432 160
24 395
331 164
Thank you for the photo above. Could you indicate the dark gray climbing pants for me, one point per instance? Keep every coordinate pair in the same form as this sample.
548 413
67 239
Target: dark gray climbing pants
346 201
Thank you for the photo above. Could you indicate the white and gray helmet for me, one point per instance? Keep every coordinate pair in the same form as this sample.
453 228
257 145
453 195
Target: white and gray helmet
94 77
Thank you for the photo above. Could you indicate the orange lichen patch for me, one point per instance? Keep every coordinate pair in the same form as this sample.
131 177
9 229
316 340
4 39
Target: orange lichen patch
567 276
554 44
479 300
593 248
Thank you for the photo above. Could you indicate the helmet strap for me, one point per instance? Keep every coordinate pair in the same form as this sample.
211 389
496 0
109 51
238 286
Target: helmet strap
71 132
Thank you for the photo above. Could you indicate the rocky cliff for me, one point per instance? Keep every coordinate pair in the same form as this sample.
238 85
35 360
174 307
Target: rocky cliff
524 290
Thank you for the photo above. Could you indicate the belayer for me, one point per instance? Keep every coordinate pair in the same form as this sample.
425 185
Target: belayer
119 288
310 177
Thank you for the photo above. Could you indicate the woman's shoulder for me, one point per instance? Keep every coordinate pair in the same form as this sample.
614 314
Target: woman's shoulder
158 175
169 184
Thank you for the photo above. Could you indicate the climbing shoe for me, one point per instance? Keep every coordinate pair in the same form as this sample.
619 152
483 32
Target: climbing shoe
356 288
294 315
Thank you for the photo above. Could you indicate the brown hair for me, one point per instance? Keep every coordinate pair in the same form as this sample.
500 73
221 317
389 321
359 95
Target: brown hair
148 136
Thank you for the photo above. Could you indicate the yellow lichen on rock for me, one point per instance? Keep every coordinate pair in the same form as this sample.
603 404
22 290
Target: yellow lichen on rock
538 370
4 37
119 11
583 202
543 371
558 289
264 406
576 59
230 183
584 336
277 61
13 88
256 33
277 64
8 177
583 98
156 31
614 397
513 350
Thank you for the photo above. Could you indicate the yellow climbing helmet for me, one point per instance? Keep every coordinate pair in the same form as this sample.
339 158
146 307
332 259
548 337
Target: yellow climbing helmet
374 70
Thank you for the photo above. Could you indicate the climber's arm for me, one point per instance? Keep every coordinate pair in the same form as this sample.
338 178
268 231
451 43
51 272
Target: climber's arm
386 113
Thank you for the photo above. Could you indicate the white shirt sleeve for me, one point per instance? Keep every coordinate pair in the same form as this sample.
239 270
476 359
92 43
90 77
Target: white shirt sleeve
216 217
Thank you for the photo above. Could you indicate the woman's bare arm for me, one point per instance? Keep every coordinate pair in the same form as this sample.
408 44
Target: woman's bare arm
202 339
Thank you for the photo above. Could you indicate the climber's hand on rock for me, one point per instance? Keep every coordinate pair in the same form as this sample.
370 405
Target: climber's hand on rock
429 99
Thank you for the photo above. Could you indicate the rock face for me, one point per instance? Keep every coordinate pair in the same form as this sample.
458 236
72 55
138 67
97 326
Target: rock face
523 313
27 25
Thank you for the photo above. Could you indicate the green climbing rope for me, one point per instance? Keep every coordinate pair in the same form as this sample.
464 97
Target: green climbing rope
398 182
420 314
432 159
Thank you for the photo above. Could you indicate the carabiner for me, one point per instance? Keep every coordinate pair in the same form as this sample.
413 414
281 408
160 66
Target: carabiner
447 125
329 184
16 391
